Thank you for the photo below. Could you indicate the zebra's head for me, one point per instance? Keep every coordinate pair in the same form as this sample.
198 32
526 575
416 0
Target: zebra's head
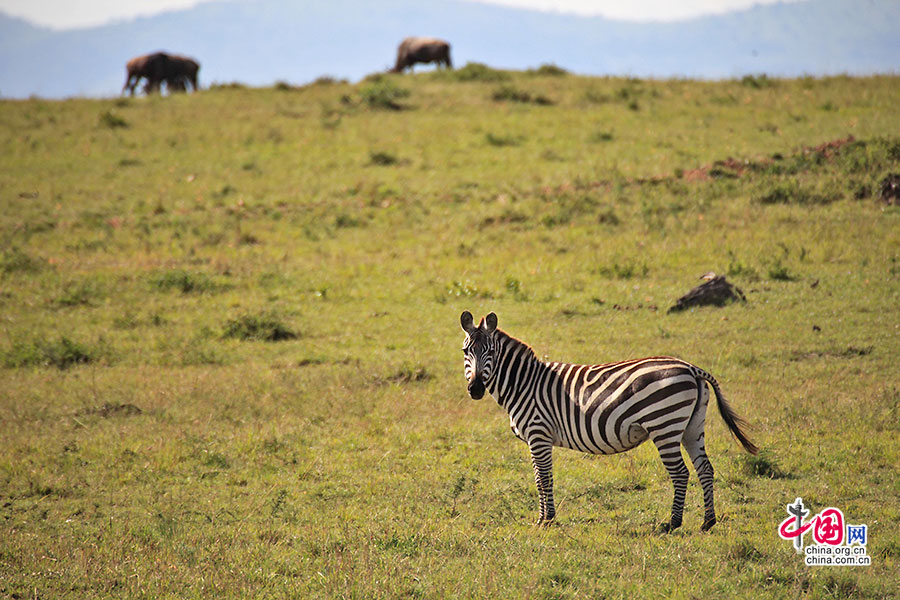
480 350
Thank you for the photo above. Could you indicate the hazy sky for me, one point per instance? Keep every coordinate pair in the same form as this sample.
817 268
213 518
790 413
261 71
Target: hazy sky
64 14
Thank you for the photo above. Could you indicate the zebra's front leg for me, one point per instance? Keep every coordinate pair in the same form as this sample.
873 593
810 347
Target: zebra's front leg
542 461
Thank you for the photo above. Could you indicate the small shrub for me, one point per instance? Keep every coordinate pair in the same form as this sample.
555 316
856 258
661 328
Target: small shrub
328 80
183 281
234 85
409 374
722 172
511 94
780 194
215 460
595 97
226 190
624 270
283 86
737 268
507 217
79 294
16 260
382 159
345 221
112 121
266 327
61 353
556 584
757 81
780 272
502 140
247 239
791 193
763 465
548 70
478 72
608 217
854 351
601 136
508 93
514 287
383 93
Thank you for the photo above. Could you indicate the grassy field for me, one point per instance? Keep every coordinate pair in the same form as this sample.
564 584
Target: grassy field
229 355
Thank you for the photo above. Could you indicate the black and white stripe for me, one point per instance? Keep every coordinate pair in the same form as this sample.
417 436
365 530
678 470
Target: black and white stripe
599 409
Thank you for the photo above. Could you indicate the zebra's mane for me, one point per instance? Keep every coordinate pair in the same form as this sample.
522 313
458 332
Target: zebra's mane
506 340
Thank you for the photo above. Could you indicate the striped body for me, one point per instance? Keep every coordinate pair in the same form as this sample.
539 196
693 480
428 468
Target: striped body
599 409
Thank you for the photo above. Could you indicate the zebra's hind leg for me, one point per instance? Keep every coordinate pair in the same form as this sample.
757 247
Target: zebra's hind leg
705 474
670 452
693 441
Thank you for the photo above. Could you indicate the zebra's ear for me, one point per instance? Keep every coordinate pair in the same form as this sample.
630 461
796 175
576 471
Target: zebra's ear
490 322
467 322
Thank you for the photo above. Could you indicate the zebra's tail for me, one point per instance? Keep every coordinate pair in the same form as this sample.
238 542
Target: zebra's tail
734 422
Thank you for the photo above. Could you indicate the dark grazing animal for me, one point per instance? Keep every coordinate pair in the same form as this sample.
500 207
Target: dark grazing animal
182 69
414 50
599 409
145 66
177 72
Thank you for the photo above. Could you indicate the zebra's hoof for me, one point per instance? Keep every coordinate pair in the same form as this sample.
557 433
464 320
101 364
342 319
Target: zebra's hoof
669 527
544 522
707 525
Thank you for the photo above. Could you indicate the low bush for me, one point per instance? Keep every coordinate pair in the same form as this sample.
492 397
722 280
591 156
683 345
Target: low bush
382 93
477 72
382 159
183 281
112 121
508 93
16 260
548 70
266 327
61 353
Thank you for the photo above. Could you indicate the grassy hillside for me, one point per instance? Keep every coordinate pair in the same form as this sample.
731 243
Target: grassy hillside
230 344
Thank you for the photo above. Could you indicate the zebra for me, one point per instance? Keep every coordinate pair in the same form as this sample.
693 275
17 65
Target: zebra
598 409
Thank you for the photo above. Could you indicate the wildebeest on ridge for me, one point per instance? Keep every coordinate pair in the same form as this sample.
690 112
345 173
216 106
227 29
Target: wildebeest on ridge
422 50
178 72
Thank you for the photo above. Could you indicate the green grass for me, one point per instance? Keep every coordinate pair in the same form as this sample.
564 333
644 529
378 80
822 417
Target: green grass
157 442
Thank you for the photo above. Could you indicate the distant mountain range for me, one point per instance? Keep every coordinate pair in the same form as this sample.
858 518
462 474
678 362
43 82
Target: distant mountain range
260 42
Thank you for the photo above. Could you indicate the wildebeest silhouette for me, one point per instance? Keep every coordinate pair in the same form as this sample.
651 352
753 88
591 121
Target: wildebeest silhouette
422 50
178 72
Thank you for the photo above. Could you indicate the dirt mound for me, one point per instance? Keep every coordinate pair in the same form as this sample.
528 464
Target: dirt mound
731 167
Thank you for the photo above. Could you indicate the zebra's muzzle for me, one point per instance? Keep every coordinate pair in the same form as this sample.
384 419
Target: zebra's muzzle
476 389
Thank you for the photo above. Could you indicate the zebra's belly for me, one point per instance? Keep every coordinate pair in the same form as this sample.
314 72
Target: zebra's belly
634 436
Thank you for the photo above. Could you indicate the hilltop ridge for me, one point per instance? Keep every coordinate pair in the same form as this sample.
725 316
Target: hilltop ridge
260 42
